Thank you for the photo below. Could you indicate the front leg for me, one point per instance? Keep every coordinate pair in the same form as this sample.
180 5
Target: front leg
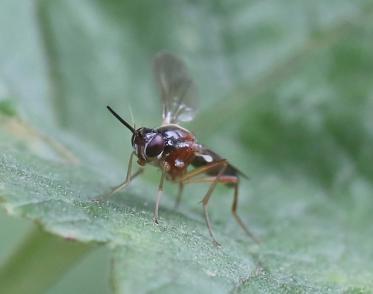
128 178
125 183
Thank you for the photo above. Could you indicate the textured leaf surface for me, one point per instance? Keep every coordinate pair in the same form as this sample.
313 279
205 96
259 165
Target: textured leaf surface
296 78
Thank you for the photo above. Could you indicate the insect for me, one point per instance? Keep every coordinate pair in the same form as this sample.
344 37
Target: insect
173 148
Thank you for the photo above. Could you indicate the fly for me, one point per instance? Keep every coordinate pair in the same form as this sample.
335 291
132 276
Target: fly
173 148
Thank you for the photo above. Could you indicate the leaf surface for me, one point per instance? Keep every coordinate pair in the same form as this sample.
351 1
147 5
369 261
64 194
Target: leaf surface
287 97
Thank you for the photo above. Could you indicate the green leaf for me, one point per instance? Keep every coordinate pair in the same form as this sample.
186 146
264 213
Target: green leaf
62 198
287 97
39 262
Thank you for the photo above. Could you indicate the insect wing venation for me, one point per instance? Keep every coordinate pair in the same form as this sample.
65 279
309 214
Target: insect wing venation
177 90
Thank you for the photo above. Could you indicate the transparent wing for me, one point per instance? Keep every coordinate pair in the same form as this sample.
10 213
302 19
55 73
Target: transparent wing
177 90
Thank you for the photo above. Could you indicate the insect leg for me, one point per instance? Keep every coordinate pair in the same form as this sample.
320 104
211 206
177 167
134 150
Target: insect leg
126 182
223 180
237 217
206 199
235 182
128 178
179 194
159 195
188 178
202 169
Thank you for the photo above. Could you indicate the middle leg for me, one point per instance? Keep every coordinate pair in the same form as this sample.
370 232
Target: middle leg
179 194
237 217
159 195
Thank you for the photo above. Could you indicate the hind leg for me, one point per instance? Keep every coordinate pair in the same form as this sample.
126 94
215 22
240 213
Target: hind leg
237 217
224 179
222 164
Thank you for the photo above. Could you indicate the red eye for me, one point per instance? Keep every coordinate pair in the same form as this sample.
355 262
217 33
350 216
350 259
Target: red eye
155 146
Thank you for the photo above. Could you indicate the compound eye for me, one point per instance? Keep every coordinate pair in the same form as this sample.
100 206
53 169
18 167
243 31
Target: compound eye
155 146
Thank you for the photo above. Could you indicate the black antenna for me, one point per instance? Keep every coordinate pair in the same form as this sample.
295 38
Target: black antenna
121 119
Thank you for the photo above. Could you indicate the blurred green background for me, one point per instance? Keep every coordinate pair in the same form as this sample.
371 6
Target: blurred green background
286 93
